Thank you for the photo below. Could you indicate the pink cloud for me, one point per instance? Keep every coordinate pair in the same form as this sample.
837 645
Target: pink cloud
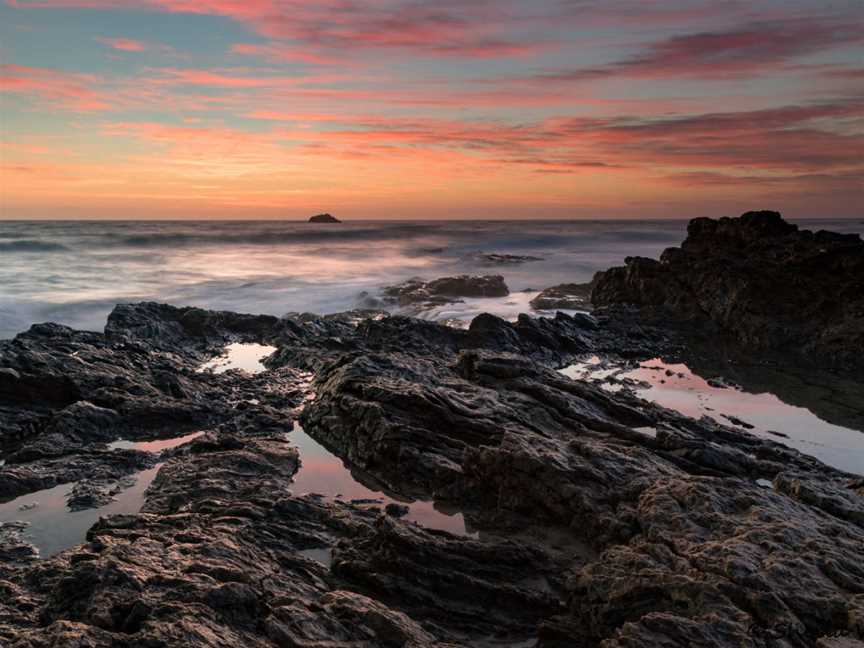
745 51
123 44
75 91
276 52
224 79
792 138
463 29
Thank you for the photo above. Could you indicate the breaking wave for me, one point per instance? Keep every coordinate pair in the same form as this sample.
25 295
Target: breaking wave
29 245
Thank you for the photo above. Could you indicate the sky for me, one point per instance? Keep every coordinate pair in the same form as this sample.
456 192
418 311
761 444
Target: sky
448 109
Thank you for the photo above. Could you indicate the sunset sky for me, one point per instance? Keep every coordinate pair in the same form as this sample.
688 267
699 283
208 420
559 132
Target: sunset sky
445 109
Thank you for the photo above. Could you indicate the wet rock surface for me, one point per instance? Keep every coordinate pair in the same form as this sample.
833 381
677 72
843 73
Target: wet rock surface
591 531
564 296
446 290
759 280
494 258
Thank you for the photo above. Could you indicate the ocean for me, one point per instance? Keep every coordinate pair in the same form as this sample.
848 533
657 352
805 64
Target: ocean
74 272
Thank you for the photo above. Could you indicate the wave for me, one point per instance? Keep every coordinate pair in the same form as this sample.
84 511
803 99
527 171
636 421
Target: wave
30 245
270 237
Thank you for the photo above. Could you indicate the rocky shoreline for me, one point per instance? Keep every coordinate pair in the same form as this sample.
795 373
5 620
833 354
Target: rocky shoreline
600 518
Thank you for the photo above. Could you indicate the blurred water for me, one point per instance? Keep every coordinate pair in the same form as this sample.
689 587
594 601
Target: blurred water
74 272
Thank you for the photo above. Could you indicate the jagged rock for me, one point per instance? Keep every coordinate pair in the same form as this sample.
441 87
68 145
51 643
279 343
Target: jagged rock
680 522
396 510
445 290
760 280
563 296
590 531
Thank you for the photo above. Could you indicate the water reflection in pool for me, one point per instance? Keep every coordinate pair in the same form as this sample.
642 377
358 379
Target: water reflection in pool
52 527
244 356
156 445
675 386
324 473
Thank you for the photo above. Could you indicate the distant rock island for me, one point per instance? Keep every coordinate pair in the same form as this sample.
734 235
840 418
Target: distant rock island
324 218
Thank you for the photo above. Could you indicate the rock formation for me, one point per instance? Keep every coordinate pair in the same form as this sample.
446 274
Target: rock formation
760 280
445 290
603 519
564 297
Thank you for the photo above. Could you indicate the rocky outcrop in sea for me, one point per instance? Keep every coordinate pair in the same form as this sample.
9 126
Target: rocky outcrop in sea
564 297
445 290
324 218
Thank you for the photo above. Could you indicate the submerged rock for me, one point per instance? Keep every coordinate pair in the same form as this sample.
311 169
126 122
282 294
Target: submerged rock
760 280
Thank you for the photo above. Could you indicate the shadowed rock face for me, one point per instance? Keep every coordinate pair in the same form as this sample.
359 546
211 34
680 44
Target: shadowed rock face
759 279
603 519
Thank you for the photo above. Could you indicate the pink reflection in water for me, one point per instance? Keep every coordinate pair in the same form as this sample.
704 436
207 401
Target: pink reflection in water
323 473
153 446
676 387
54 528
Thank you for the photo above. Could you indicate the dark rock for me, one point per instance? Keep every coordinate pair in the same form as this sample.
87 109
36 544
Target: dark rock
591 532
14 548
760 280
445 290
493 259
397 510
564 296
324 218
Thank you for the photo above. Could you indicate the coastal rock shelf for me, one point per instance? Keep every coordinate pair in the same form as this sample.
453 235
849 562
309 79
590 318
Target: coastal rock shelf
590 516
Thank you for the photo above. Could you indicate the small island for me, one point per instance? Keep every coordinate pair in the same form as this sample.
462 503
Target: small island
324 218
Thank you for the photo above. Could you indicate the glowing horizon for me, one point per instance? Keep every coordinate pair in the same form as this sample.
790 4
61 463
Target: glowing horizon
398 109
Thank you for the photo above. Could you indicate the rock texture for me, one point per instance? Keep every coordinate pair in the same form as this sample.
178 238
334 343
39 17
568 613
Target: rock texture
760 280
416 292
496 259
602 519
564 296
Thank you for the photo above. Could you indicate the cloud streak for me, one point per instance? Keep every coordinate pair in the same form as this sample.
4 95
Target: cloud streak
74 91
123 44
734 53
